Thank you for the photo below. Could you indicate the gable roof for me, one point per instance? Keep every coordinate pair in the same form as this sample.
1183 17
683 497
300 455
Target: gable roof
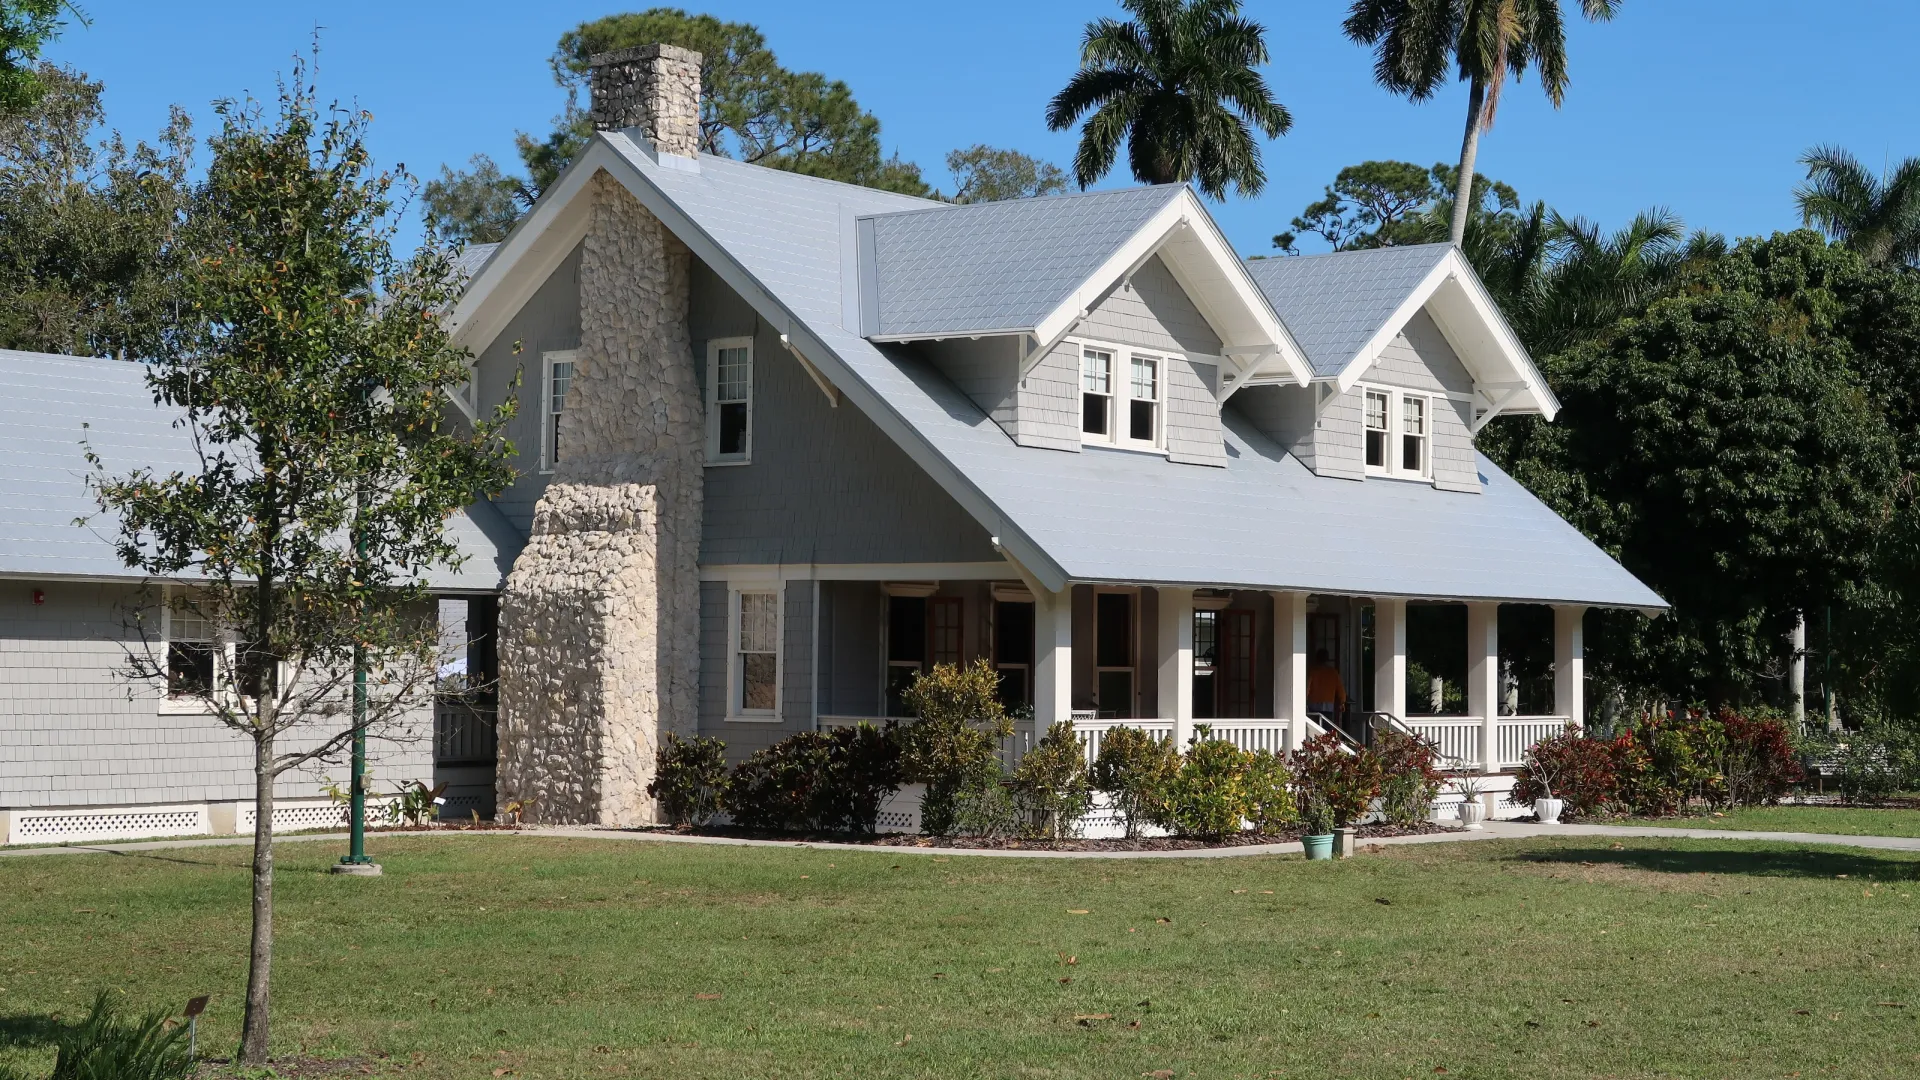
49 404
1346 307
1264 521
1036 267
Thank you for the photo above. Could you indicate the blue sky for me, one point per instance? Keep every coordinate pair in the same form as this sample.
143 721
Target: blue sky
1701 106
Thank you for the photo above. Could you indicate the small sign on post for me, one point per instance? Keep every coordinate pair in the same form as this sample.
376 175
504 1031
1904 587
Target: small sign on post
194 1008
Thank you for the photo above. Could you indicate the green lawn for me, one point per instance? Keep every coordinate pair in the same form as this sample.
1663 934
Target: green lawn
1561 957
1837 820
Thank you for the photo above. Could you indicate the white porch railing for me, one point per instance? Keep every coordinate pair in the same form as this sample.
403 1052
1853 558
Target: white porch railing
1515 735
1455 738
1093 730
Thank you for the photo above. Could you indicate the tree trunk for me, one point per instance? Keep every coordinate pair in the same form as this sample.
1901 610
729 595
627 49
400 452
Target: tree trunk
1469 149
253 1032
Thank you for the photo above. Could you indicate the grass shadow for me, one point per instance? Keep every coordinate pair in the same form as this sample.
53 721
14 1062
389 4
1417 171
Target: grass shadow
1807 863
26 1030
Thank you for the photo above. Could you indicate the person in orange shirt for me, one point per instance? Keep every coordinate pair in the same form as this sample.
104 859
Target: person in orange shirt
1326 693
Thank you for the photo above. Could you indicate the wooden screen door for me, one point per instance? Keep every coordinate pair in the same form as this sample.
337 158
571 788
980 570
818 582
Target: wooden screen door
1233 681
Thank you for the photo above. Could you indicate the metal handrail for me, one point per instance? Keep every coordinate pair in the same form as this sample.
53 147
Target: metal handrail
1326 724
1394 723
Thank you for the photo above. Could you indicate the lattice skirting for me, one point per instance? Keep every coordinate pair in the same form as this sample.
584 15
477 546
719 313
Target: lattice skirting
104 823
296 815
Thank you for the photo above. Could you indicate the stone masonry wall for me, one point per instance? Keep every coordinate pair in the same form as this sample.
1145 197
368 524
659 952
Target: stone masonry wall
655 88
599 625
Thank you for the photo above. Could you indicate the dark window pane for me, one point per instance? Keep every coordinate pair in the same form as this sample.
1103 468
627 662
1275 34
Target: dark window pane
1140 425
757 674
1410 446
1093 414
899 678
190 668
1012 633
1013 688
946 616
907 629
1377 449
1116 694
256 671
733 428
1114 630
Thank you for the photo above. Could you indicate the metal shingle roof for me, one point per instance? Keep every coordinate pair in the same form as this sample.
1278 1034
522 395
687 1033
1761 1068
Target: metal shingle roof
999 266
49 404
1335 303
1264 521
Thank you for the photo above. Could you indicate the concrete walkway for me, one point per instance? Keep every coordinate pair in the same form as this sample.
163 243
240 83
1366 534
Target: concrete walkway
1493 830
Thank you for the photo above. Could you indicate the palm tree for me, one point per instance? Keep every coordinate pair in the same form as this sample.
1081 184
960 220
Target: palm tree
1417 41
1178 84
1877 216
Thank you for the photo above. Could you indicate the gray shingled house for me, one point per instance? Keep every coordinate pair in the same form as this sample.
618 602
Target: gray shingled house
788 442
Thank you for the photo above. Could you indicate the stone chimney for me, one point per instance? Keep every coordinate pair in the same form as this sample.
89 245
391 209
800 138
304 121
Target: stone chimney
655 88
599 640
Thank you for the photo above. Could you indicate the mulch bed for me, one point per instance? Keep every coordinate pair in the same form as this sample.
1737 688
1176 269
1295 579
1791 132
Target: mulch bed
976 843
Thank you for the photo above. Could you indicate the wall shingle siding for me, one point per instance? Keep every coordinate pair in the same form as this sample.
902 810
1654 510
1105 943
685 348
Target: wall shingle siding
824 484
549 322
75 732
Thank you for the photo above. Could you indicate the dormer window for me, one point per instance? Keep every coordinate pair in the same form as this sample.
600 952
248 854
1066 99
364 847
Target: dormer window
1143 408
1399 433
1122 397
1096 394
1379 402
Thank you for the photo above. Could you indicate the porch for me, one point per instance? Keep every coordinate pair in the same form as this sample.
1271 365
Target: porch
1493 678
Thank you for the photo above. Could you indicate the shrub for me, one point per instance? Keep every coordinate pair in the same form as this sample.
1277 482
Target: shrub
954 738
1207 795
1760 764
983 804
1666 762
1410 777
689 779
1344 782
818 781
1572 767
1876 761
1134 767
1051 783
1270 806
109 1046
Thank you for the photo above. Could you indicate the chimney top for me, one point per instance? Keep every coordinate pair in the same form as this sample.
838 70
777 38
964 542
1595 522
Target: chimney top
655 88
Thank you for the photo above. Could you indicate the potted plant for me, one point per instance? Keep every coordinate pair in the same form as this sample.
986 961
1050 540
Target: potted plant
1316 817
1541 770
1472 810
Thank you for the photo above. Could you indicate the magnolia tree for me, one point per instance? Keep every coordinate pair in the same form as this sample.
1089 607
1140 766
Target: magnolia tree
307 375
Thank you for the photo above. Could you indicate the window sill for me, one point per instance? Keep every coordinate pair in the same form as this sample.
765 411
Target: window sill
729 461
1136 448
751 718
184 707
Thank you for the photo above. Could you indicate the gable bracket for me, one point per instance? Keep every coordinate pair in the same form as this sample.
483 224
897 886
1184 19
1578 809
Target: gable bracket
1323 395
1495 402
819 379
1247 364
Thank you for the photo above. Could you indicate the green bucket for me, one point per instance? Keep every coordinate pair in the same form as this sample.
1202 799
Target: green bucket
1318 847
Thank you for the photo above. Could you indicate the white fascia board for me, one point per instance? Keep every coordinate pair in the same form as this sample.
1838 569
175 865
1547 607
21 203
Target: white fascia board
1518 360
536 247
605 154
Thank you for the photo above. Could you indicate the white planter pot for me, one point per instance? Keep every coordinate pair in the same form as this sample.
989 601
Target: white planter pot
1548 810
1472 813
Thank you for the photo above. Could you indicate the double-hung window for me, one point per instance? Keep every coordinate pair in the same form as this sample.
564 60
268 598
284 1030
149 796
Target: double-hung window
559 380
192 655
729 400
1122 397
1398 427
1096 394
756 655
1143 403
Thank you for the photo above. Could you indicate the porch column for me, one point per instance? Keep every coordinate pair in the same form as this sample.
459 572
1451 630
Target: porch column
1053 659
1175 644
1483 677
1290 664
1390 657
1570 662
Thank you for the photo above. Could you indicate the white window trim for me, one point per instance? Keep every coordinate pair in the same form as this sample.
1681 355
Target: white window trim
223 660
735 713
1396 398
1120 394
712 398
547 420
